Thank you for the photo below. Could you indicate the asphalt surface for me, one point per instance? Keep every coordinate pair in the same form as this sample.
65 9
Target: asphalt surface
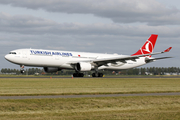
88 96
105 77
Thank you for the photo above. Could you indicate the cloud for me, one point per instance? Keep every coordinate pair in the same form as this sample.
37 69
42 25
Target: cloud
120 11
29 25
26 31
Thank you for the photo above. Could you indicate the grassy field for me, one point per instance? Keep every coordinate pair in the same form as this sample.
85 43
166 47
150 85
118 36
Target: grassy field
59 86
138 108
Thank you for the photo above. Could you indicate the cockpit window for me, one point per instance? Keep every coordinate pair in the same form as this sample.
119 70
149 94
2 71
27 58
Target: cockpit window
13 53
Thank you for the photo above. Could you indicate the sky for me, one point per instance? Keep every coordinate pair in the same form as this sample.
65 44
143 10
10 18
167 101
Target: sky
99 26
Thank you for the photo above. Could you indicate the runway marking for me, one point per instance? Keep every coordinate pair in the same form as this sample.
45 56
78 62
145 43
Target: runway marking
89 96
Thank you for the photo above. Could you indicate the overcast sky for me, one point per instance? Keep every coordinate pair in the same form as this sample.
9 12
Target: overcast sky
103 26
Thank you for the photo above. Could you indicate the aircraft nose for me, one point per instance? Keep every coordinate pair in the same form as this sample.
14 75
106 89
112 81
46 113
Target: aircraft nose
10 58
6 57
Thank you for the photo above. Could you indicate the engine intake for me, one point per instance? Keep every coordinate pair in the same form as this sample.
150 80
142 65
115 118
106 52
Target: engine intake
83 66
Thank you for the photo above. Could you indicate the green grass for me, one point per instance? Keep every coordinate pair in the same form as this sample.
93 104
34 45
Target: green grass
108 108
59 86
141 108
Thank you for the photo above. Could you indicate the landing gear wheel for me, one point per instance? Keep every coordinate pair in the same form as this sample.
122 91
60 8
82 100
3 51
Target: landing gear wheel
93 75
81 74
97 75
100 74
78 75
22 71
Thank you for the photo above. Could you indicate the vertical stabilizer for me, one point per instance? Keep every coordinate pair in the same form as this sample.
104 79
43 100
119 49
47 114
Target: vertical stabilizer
148 47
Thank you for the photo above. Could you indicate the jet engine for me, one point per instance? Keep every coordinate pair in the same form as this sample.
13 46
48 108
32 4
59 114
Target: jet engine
83 66
51 69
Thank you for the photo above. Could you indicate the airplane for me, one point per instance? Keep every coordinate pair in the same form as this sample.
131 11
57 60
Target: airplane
53 60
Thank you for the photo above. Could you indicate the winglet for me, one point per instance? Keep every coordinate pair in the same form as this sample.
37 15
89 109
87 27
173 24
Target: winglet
167 50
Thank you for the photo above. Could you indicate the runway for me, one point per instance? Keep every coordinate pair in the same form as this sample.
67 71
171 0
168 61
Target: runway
88 96
104 77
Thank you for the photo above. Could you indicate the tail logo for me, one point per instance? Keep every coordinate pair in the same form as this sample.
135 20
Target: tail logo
147 48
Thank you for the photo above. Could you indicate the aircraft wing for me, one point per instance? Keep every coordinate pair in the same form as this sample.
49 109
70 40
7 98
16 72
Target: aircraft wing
104 61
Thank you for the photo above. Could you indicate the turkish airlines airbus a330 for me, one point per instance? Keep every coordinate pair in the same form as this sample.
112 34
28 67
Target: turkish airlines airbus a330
53 61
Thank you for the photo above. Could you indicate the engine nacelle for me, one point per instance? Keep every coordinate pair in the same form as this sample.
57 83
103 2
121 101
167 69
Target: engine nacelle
51 69
83 66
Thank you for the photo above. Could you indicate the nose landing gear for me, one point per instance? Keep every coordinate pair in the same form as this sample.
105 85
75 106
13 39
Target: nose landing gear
22 69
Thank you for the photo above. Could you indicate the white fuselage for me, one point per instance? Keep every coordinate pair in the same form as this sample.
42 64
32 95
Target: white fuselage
62 59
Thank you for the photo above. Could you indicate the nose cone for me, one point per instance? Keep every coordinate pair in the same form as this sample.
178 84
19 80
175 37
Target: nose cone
7 57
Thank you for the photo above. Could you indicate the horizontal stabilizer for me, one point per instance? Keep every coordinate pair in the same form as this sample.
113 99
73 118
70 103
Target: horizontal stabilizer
151 60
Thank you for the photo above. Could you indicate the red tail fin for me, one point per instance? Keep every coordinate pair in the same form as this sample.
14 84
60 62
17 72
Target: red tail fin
148 47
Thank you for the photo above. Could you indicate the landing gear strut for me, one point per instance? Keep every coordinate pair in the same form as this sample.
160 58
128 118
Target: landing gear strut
97 74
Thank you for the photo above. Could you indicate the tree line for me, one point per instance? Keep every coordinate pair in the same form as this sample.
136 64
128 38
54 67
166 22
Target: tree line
134 71
151 70
30 71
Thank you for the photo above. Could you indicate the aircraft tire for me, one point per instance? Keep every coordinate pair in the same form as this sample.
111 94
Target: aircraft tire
93 75
78 75
97 75
100 74
22 71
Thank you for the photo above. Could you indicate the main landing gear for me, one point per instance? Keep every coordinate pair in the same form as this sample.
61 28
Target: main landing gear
97 75
78 74
82 74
